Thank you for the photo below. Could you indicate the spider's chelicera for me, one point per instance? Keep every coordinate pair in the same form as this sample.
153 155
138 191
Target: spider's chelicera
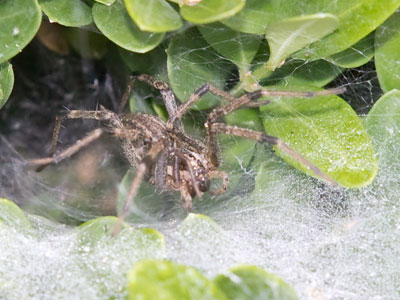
162 153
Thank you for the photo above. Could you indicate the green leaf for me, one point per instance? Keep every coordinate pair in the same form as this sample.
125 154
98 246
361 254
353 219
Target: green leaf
256 16
298 72
114 22
288 36
240 48
355 56
74 13
387 53
163 280
383 125
252 283
6 82
326 131
105 2
356 20
19 22
153 15
146 240
11 215
208 11
191 63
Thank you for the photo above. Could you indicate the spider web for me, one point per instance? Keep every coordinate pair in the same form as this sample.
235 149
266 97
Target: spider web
328 243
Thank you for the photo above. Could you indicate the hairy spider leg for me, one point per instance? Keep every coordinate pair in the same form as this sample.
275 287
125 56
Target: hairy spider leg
167 96
193 98
216 91
101 115
213 127
54 159
246 100
263 137
133 189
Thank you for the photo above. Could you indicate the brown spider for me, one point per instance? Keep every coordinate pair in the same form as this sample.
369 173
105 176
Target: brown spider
162 152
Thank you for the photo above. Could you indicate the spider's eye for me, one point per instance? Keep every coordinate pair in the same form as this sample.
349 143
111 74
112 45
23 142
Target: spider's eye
204 185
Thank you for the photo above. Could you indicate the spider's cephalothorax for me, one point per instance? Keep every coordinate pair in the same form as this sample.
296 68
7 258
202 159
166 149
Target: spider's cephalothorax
162 153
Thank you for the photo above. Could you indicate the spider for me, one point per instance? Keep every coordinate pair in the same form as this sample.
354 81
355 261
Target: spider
162 153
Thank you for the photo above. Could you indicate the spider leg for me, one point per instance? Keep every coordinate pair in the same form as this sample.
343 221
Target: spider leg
88 139
262 137
101 115
191 172
247 100
196 96
140 173
213 149
251 96
167 96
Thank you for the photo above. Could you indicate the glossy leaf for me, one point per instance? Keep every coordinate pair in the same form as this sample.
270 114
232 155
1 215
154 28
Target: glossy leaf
287 36
252 283
208 11
387 53
19 22
114 22
6 82
159 279
153 15
11 215
74 13
356 20
256 16
328 133
383 125
355 56
238 47
297 72
191 63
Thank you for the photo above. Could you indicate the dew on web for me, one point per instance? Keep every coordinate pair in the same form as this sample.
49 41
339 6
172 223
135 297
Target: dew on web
326 242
